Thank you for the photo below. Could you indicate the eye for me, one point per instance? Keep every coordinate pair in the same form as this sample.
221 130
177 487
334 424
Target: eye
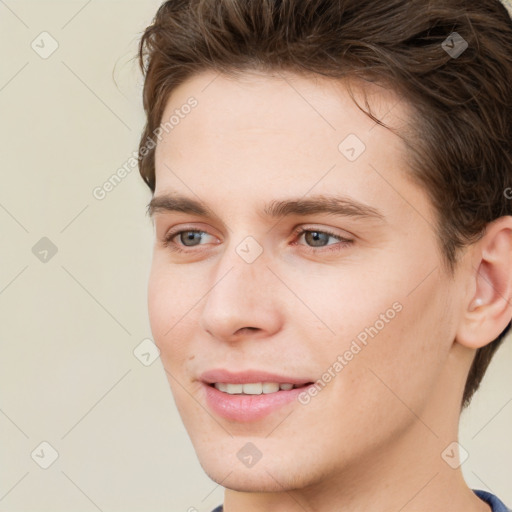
187 238
317 237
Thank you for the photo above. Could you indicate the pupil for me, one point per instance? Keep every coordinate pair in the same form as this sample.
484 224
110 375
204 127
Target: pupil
191 235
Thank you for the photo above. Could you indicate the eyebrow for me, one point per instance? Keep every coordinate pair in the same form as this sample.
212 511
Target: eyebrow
318 204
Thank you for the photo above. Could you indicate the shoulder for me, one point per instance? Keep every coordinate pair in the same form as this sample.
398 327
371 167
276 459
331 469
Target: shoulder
218 509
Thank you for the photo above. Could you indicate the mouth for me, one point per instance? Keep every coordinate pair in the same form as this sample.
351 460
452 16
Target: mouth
256 388
251 395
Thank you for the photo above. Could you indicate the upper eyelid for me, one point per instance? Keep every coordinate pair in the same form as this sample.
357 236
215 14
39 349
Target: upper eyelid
177 231
299 227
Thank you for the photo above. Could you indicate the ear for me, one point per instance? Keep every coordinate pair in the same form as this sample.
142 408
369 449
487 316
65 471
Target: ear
488 306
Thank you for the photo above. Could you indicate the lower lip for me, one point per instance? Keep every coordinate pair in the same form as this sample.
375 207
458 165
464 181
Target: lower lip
245 408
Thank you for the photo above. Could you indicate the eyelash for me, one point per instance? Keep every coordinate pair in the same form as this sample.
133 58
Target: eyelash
344 242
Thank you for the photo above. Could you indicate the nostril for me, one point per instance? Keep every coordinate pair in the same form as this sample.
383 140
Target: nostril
243 329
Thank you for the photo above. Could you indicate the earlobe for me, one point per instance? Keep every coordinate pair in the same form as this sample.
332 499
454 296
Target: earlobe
489 307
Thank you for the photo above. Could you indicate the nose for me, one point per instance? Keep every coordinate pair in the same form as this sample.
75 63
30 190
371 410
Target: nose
243 299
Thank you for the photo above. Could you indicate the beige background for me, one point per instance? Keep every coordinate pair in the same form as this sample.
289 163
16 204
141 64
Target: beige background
69 326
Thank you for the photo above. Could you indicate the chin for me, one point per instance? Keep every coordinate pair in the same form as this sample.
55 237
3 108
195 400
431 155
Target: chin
251 480
270 475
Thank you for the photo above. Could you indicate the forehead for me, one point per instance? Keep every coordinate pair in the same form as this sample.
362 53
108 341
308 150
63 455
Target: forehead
255 109
282 104
267 135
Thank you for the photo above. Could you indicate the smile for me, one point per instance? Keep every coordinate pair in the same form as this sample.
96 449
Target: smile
254 388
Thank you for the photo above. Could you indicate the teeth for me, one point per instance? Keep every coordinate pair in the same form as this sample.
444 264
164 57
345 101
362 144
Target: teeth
270 387
252 388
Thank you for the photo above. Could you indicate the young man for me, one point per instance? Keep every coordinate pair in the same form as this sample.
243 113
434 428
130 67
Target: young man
332 270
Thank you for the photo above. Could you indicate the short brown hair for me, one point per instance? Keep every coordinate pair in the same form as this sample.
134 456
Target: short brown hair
460 147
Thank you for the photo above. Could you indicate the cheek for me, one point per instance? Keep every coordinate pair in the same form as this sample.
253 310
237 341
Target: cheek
168 311
348 306
402 362
391 340
158 305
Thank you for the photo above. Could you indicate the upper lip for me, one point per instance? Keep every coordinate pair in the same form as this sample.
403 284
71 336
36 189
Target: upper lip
248 376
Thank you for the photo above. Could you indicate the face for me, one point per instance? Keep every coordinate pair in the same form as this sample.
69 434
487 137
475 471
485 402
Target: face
342 287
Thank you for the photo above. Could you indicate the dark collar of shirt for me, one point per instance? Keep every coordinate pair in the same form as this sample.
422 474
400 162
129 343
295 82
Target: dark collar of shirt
493 501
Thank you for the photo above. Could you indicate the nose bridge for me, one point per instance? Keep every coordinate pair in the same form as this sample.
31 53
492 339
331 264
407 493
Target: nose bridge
239 295
241 272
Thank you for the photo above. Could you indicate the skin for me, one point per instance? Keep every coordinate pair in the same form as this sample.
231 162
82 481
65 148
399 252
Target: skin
372 439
